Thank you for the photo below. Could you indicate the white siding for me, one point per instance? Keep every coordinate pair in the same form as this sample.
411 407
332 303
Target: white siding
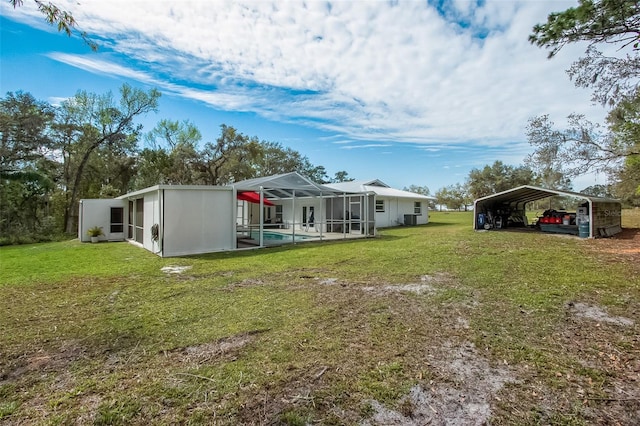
198 221
396 208
94 212
151 217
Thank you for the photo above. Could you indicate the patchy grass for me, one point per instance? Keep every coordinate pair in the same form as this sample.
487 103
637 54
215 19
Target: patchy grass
420 323
631 218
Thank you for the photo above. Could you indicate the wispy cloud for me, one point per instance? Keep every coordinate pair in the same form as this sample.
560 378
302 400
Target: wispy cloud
435 73
370 145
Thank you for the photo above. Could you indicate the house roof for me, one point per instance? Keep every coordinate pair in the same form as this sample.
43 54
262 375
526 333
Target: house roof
285 185
527 193
377 187
173 187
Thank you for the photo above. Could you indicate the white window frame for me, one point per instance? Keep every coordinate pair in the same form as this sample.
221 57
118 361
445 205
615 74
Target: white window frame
380 206
417 207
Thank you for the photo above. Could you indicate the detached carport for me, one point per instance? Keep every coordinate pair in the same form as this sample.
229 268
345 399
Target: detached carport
602 214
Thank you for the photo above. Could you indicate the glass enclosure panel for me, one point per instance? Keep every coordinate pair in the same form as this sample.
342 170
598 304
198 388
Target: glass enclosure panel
139 220
130 221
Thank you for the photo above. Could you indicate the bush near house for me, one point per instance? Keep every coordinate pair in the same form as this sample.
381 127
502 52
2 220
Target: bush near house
420 323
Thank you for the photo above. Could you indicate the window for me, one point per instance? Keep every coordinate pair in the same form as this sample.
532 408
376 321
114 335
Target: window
417 207
117 219
379 206
278 213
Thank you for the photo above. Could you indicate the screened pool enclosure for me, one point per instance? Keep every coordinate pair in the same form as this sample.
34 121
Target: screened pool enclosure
291 208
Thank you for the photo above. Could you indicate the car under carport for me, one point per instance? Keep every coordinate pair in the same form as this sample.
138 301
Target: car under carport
596 217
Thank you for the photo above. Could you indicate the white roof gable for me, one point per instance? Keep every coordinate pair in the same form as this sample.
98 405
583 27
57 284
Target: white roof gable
378 187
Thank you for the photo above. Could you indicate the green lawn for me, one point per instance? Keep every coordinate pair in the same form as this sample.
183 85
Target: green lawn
531 328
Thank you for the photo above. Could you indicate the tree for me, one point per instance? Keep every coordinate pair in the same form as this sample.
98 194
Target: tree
585 146
24 138
497 178
582 146
603 191
598 22
603 21
424 190
546 161
62 19
455 197
88 122
341 176
317 174
624 124
26 166
172 156
276 159
228 159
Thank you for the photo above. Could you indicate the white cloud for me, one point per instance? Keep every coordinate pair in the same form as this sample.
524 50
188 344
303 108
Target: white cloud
368 70
370 145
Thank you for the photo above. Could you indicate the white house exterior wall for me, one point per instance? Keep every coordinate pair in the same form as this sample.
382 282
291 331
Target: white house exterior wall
198 221
94 212
396 208
151 217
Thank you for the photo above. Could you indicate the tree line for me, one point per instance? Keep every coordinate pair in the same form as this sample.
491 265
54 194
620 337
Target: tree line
89 147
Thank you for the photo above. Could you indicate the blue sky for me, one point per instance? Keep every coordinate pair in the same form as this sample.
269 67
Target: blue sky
406 92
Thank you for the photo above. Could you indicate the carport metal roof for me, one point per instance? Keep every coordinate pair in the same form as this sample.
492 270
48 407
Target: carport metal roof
518 197
285 185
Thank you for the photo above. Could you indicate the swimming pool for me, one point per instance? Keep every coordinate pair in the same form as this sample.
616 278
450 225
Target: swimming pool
277 236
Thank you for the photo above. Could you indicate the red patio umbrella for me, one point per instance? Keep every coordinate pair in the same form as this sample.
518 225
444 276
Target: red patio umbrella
253 197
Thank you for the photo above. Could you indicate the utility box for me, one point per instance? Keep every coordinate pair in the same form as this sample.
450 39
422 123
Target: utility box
410 219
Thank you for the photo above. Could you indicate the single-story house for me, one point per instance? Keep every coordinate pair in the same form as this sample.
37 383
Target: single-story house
176 220
393 206
592 217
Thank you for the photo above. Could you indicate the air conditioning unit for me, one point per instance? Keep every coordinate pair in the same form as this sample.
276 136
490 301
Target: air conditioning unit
410 219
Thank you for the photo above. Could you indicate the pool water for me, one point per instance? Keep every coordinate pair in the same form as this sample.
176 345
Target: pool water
277 236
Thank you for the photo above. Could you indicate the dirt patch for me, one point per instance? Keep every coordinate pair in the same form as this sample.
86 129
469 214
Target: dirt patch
597 314
42 360
438 278
175 269
606 386
327 281
428 284
246 283
401 288
622 247
207 352
462 395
